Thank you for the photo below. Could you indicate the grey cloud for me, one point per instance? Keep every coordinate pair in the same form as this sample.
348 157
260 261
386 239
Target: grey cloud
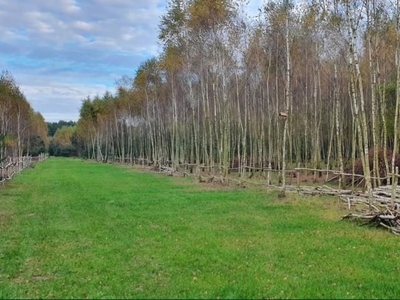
59 100
57 23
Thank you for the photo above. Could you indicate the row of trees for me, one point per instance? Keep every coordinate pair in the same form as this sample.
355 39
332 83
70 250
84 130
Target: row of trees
308 82
22 130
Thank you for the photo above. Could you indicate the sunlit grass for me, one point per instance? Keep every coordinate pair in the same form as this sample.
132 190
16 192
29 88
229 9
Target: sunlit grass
75 229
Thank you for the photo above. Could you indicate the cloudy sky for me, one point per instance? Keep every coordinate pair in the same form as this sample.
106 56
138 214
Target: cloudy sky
60 51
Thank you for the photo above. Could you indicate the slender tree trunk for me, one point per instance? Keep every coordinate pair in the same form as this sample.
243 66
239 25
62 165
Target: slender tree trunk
372 67
396 113
287 99
338 128
359 108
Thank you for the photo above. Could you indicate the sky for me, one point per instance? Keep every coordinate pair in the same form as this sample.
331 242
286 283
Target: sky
61 51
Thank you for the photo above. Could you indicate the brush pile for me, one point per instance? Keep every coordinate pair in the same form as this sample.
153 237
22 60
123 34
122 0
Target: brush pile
380 213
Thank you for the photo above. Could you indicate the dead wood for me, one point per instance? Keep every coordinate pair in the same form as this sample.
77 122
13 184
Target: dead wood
381 213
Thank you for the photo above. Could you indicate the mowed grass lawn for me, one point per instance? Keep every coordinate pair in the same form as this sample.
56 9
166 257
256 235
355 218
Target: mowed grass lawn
75 229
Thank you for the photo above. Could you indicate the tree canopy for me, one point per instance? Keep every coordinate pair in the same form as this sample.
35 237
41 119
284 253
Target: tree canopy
22 130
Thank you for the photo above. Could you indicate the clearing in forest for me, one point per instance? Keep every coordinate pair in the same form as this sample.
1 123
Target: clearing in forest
77 229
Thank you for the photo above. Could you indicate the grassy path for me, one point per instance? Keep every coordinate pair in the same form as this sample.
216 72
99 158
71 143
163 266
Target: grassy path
73 229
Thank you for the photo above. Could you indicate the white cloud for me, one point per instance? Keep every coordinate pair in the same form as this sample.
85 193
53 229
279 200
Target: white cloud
80 25
69 6
44 27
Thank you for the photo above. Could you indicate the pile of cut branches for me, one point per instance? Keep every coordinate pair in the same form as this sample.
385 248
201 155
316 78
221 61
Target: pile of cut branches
380 213
389 219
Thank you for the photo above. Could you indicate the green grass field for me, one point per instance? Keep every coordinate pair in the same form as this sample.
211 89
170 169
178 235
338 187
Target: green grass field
75 229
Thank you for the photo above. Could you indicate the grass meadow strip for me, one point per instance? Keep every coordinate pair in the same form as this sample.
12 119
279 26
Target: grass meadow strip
77 229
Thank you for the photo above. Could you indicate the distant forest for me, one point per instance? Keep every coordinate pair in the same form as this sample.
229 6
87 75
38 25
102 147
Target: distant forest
54 126
62 135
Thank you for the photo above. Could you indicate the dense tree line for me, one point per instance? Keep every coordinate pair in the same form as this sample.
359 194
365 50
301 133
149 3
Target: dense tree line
54 126
22 130
63 140
63 143
310 83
